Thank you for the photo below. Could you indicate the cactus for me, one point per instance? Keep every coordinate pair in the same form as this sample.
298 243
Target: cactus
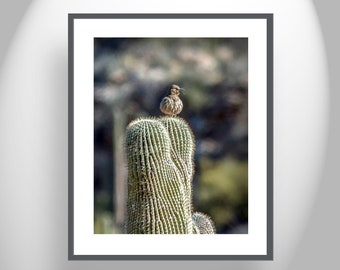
203 224
160 171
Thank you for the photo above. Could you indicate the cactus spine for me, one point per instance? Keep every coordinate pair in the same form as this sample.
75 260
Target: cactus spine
160 171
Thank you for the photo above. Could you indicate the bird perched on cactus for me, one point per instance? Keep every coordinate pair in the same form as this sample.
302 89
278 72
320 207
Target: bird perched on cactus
172 105
160 159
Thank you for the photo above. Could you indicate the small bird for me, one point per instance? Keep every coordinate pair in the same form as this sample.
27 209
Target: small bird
172 105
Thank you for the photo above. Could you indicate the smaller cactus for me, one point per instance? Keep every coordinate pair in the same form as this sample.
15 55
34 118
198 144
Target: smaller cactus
203 224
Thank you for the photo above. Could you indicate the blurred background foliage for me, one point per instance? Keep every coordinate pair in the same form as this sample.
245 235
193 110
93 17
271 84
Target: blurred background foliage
131 76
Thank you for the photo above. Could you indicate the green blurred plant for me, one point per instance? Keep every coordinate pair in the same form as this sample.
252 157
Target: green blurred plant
223 191
104 223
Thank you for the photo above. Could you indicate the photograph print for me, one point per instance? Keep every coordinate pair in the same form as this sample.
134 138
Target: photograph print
170 135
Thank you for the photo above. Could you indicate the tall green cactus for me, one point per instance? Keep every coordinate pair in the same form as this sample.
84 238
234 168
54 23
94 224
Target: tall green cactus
160 171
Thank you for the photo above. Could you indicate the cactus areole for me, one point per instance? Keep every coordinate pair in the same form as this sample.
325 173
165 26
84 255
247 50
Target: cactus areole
160 163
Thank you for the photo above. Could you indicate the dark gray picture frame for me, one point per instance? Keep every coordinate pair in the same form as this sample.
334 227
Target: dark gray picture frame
269 19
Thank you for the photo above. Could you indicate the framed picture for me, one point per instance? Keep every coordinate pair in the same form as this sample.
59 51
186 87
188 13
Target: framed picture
170 136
